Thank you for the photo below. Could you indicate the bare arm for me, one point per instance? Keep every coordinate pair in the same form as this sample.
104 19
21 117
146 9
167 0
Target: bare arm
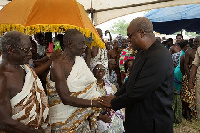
186 63
7 123
182 64
58 76
39 62
192 76
171 50
46 65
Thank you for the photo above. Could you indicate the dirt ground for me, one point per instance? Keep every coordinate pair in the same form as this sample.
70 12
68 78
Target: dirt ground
187 127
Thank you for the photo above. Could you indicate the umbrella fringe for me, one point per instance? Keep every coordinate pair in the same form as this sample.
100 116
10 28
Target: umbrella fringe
33 29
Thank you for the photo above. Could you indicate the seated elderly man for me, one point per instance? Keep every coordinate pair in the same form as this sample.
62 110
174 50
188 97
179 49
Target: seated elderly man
23 103
71 88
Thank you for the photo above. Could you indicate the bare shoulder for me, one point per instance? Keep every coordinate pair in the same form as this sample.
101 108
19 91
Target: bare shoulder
58 62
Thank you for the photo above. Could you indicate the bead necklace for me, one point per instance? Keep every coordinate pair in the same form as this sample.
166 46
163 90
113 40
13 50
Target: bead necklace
99 84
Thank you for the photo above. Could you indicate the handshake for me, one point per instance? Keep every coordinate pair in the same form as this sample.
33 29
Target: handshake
104 101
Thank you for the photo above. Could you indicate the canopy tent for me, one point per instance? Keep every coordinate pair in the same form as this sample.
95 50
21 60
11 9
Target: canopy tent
172 19
34 16
104 10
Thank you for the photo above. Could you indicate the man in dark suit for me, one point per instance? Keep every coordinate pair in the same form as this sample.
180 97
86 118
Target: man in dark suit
147 95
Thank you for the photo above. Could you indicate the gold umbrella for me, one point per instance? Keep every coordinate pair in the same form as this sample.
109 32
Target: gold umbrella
34 16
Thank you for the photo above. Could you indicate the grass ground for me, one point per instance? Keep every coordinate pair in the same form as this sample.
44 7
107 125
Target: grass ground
187 127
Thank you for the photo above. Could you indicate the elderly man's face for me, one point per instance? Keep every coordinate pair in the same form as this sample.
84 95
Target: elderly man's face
78 47
24 50
197 42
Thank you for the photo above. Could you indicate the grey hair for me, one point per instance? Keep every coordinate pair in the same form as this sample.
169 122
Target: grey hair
11 38
142 23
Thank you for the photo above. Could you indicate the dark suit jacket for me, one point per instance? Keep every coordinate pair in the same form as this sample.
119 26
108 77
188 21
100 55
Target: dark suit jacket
147 95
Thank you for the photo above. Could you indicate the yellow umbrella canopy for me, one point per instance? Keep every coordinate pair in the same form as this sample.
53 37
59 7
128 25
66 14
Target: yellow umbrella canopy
34 16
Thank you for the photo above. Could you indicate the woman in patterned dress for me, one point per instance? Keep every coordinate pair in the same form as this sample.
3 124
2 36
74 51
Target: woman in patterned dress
109 121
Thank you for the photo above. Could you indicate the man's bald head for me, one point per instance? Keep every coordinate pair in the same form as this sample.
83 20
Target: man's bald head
142 23
71 36
140 33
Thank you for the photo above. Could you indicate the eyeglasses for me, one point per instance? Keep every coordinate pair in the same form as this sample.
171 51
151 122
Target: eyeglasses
98 68
130 35
26 50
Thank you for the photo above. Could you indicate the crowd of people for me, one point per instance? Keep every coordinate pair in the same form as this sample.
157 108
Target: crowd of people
137 84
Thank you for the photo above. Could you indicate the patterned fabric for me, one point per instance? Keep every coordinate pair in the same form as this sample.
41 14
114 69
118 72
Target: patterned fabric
125 54
103 58
197 95
30 106
196 62
177 107
175 57
123 57
113 79
116 126
66 118
178 75
188 96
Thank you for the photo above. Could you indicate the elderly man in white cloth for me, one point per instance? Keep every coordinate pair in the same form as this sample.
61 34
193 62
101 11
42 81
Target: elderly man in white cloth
23 102
71 88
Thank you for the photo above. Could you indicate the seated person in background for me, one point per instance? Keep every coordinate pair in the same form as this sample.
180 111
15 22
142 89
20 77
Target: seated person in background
23 102
71 88
109 121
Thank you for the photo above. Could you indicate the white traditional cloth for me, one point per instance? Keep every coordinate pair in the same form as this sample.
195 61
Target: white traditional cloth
81 84
30 106
196 62
117 117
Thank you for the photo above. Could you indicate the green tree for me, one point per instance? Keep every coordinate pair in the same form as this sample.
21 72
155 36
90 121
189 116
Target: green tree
119 27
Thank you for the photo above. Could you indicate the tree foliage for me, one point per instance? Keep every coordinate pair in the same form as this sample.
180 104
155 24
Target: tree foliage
119 27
